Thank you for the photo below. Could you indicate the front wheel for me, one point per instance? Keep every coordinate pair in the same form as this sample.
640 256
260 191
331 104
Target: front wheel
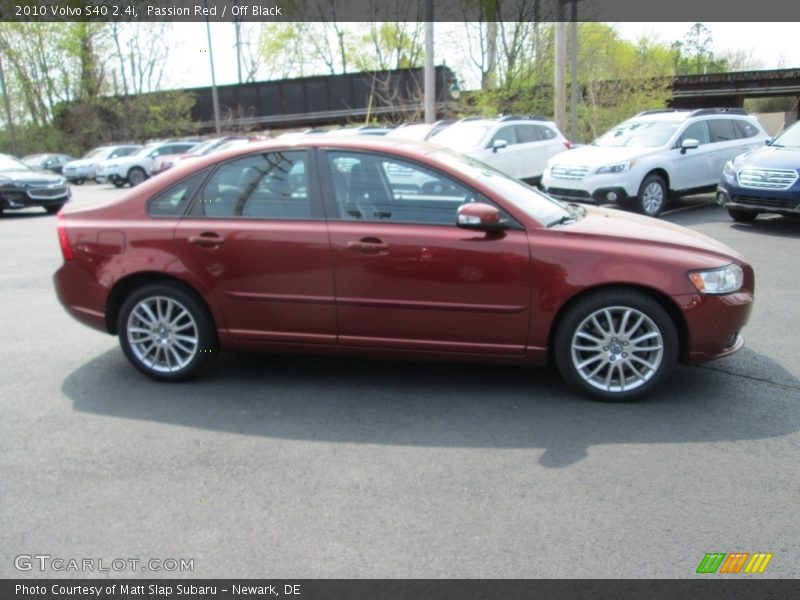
136 176
118 182
616 345
53 208
166 333
652 197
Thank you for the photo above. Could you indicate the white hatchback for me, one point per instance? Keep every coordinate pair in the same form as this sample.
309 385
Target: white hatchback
657 154
517 146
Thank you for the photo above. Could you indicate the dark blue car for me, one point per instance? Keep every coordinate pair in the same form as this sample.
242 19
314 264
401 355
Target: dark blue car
766 180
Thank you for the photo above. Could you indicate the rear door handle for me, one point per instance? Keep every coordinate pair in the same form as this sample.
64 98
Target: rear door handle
206 240
369 245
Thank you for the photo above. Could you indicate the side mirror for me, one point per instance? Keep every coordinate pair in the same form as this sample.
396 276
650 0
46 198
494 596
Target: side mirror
498 144
480 216
689 144
767 141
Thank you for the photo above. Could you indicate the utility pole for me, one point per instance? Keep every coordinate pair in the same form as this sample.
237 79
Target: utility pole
430 72
237 24
11 136
573 99
559 79
214 94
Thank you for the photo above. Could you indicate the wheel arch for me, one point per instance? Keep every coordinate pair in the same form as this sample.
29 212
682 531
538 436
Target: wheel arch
662 299
661 172
127 285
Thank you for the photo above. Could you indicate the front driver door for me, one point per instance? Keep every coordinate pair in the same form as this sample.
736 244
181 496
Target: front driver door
406 276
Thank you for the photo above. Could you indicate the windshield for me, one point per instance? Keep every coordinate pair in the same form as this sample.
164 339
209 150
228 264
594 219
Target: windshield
463 135
9 163
790 137
639 134
543 208
97 153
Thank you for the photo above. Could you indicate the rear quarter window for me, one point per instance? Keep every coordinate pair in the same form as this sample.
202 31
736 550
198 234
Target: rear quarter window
174 200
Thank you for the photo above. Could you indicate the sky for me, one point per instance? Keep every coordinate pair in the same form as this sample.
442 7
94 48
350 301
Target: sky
774 45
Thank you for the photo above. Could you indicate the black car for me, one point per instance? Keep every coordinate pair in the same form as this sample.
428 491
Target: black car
21 187
48 162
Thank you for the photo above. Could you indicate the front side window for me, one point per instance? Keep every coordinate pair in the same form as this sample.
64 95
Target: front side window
272 185
379 188
506 134
696 131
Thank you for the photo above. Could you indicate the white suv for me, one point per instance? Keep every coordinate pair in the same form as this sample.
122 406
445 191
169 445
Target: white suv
517 146
655 154
134 169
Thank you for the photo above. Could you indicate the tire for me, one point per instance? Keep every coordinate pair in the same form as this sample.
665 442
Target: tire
118 183
136 176
78 181
742 215
149 323
652 197
53 208
608 359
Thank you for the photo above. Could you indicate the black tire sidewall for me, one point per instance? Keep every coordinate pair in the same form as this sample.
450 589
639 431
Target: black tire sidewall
207 338
742 216
585 306
136 170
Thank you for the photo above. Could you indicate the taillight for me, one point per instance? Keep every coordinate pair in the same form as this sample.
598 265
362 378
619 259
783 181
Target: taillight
568 144
63 238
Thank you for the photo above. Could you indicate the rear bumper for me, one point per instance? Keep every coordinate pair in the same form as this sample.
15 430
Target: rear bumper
81 296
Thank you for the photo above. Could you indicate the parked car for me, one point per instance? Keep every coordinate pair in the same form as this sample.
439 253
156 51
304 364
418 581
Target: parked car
418 131
167 161
83 169
22 187
272 246
655 155
47 162
517 146
137 167
361 130
765 180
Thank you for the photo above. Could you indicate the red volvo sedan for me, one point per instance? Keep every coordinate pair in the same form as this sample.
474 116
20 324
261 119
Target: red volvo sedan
396 249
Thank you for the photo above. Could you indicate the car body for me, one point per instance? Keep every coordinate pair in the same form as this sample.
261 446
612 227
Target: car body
653 156
47 162
82 169
167 161
307 245
360 130
766 180
517 146
23 187
135 168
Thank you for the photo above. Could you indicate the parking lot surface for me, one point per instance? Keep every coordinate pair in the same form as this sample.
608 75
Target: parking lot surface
289 466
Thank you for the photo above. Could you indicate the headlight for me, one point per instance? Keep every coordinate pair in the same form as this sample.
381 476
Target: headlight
725 280
617 168
729 171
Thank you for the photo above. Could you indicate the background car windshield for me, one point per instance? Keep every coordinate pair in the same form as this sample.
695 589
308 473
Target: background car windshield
535 204
8 163
639 134
463 135
146 150
789 138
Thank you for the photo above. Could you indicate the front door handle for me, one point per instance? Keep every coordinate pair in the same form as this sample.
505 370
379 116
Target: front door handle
368 245
207 240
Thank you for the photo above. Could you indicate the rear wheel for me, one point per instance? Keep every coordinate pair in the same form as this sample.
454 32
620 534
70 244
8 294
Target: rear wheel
118 182
742 216
616 345
652 198
166 333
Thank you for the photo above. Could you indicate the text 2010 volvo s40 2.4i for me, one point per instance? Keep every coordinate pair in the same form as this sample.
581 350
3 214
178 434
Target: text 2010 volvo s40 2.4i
317 244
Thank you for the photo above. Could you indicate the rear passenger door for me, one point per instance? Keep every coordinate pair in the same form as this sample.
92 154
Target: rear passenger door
257 237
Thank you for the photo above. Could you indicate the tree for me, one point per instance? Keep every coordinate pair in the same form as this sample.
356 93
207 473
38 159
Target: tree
694 55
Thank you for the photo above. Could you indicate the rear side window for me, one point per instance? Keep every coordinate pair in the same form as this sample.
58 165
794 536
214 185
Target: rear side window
721 130
745 129
545 133
272 185
696 131
173 201
526 134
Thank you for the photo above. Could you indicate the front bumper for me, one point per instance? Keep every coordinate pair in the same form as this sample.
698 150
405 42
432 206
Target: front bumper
17 198
714 324
592 188
783 202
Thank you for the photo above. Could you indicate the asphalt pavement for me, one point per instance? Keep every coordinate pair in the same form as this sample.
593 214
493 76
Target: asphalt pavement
289 466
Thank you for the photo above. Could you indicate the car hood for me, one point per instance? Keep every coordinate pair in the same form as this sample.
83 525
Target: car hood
770 157
645 232
31 177
597 156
